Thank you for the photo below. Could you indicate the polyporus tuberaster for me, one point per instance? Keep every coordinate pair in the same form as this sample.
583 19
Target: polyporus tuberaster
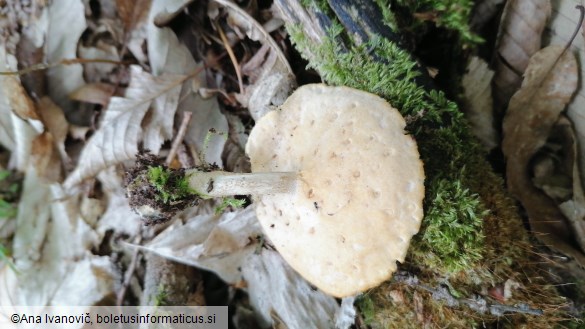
337 182
358 197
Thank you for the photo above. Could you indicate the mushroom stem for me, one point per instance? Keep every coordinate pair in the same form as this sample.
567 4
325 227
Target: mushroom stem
221 183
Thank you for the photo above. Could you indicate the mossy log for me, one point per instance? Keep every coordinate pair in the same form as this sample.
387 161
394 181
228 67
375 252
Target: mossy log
472 243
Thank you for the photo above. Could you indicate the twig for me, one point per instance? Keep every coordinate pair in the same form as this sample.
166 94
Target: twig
129 273
179 138
230 52
233 6
44 66
476 303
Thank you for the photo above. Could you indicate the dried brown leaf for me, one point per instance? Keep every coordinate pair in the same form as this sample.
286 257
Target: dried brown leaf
132 12
478 103
120 132
521 27
574 208
95 93
18 98
550 81
271 77
45 157
55 123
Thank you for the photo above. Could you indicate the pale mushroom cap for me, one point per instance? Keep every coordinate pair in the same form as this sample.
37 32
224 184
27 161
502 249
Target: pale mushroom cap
359 199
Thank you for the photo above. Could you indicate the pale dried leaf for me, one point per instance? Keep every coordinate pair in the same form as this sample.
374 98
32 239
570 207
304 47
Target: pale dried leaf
45 157
345 315
550 81
271 77
559 31
54 270
95 93
64 15
6 130
56 124
168 55
193 242
88 282
254 30
168 10
96 72
519 37
118 216
165 53
478 103
234 157
20 121
32 220
574 209
273 286
18 99
38 23
24 134
271 86
120 132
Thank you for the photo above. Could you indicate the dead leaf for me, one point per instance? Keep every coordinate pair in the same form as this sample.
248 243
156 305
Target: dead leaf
193 243
271 77
560 29
55 122
574 208
550 81
95 93
64 15
478 105
25 120
6 129
234 157
270 278
483 12
120 131
55 267
519 37
45 157
132 12
168 55
18 98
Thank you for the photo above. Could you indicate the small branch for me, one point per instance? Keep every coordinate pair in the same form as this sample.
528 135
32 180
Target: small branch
477 303
70 61
129 273
232 56
179 138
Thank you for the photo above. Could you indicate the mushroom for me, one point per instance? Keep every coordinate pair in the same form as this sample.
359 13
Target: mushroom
337 184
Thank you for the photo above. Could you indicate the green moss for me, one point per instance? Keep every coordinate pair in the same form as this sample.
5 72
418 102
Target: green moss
229 202
367 308
162 297
451 14
169 185
451 237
